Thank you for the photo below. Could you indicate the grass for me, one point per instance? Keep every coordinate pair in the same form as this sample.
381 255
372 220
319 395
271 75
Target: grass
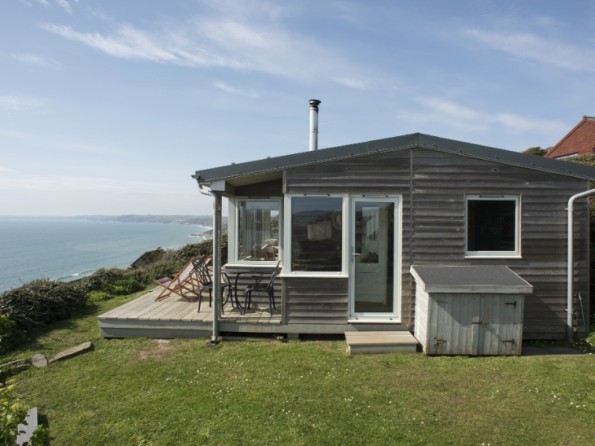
180 392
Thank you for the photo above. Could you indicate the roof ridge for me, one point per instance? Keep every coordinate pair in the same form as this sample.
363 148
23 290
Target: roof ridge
403 142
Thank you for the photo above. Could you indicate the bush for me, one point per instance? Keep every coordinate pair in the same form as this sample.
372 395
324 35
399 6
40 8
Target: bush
10 335
13 413
41 302
98 296
117 281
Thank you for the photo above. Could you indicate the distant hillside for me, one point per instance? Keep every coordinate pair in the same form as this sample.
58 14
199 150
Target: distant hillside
203 220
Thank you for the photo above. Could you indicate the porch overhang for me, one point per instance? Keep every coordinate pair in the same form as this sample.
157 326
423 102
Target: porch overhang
227 186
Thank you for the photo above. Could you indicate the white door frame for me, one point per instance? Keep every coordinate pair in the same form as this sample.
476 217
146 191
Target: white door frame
395 315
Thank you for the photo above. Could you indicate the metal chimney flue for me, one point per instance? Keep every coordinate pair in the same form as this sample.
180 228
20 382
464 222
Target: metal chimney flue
314 124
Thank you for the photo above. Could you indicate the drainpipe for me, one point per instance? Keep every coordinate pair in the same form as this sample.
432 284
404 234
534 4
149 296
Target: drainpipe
217 200
570 273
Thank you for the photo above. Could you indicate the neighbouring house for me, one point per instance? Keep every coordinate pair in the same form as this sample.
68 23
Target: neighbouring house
350 224
579 141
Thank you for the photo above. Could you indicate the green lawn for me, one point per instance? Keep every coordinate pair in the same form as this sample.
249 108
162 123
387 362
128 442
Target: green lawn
149 392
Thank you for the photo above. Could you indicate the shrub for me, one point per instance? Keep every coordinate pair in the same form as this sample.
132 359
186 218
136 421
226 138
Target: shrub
101 279
10 335
40 302
117 281
98 296
13 413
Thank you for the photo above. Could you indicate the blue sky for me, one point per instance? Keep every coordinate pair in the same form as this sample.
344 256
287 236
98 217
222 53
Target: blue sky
108 106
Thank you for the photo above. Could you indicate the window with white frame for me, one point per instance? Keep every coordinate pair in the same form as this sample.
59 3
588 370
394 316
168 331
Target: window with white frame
257 228
492 226
315 234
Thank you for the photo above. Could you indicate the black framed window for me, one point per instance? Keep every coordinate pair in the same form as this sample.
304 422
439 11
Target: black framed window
492 226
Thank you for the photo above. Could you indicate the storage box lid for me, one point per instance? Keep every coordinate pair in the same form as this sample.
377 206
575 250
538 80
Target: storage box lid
470 279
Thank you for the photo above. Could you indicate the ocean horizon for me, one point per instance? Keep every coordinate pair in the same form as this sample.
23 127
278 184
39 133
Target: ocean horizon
66 249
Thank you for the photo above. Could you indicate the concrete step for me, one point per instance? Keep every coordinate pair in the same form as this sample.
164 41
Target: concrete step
380 342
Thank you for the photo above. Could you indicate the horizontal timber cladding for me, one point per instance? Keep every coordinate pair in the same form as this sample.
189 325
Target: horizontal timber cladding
433 186
315 300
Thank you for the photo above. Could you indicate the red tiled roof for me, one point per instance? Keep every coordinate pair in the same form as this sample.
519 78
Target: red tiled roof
579 141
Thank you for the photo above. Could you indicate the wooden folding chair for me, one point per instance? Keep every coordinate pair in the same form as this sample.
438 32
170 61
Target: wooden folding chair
185 284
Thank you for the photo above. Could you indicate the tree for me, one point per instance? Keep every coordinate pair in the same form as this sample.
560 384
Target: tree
537 151
588 160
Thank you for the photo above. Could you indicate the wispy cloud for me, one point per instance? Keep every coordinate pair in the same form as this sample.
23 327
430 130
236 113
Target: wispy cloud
19 103
64 4
462 117
19 181
34 59
233 90
353 82
533 47
128 42
256 38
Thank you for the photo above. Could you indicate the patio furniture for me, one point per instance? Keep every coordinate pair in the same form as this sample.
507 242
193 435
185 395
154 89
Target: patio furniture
236 273
184 283
205 283
263 283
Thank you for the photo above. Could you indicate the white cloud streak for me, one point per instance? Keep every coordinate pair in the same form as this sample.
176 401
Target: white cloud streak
465 118
239 40
11 181
532 47
34 59
233 90
64 5
19 103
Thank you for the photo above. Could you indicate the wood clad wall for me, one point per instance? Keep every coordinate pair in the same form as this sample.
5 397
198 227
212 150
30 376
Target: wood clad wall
433 229
318 301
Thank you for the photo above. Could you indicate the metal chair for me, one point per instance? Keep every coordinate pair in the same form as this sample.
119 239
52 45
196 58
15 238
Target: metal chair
261 284
206 282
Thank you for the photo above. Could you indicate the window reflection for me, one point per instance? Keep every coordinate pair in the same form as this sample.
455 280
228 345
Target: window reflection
258 230
316 234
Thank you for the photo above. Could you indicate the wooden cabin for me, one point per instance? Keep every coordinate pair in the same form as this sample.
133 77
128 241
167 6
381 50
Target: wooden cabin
348 224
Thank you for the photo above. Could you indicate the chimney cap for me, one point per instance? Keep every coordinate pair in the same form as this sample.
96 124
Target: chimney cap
314 102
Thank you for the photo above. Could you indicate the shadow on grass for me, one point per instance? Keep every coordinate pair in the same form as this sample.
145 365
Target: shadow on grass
31 338
80 327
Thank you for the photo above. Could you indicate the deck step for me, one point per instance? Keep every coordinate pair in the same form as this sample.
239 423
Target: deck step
380 342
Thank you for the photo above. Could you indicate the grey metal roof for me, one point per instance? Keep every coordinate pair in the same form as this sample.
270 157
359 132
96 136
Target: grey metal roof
490 279
279 163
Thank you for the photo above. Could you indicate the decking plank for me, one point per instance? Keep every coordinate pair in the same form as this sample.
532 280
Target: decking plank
149 311
174 312
134 304
380 342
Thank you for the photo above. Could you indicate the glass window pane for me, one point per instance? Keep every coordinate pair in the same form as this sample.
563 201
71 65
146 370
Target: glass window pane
316 234
258 230
491 225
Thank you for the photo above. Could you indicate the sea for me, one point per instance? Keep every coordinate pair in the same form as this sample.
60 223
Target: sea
67 249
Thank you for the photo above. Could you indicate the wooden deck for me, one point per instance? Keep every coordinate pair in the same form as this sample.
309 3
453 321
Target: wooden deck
174 317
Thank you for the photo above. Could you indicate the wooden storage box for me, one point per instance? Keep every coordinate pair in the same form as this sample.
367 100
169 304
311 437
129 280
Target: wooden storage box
469 310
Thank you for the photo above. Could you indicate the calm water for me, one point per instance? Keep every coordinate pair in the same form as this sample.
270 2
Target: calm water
33 248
